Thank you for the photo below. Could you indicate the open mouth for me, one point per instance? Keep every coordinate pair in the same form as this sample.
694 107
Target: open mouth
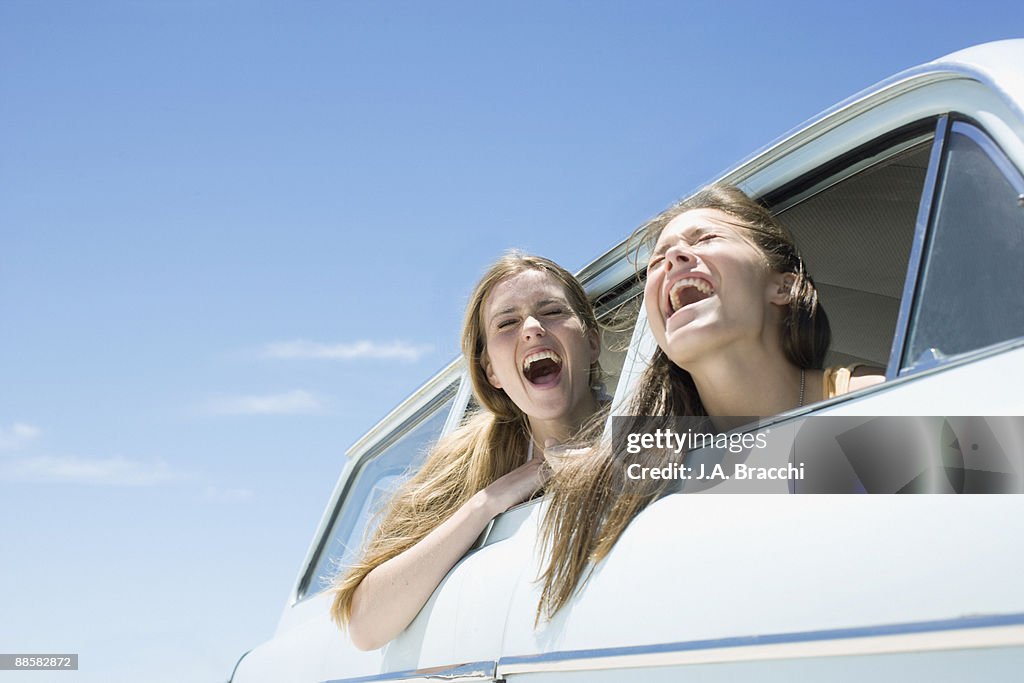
688 290
542 367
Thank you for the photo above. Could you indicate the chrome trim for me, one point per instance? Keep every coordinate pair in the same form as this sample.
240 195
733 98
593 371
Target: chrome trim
848 172
924 213
840 113
459 404
446 376
400 429
998 156
1003 630
475 671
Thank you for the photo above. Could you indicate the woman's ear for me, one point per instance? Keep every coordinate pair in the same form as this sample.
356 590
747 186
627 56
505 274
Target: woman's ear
780 288
485 363
594 337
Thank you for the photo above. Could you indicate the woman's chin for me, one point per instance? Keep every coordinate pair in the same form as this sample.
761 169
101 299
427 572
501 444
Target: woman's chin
684 345
548 406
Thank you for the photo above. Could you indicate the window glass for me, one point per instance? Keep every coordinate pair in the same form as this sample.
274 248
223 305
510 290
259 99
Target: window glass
970 289
373 483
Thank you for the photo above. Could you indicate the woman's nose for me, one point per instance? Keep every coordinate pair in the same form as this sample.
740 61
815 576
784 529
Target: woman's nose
678 255
532 328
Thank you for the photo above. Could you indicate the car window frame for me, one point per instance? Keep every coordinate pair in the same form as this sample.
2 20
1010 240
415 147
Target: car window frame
390 431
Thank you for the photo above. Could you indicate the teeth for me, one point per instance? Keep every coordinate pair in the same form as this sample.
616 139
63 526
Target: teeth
540 355
677 289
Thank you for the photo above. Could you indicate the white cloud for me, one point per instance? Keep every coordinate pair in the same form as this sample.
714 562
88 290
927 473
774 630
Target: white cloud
112 471
17 435
219 495
116 471
396 350
297 402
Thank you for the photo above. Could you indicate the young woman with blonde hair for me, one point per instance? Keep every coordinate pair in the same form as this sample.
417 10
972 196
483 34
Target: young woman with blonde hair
740 332
531 343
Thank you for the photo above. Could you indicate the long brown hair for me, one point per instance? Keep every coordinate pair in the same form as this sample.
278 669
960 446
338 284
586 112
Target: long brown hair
592 499
488 445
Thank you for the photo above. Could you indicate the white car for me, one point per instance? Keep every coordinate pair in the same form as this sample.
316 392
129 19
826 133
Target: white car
907 201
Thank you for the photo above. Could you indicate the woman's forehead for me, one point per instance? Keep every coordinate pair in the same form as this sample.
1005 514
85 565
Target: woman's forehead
525 288
697 221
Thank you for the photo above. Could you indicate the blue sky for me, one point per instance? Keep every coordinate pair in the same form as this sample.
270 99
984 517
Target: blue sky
233 235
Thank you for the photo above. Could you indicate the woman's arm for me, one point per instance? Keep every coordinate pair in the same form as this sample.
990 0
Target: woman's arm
865 376
391 595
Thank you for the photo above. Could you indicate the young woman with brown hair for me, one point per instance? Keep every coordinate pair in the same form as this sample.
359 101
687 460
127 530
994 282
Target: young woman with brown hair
531 344
740 332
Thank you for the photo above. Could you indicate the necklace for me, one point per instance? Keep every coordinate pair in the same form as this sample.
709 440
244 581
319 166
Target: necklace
803 380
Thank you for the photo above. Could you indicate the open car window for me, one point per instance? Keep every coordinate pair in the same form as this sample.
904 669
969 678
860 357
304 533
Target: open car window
916 245
855 228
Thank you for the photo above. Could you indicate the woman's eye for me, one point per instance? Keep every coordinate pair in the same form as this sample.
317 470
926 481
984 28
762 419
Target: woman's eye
707 237
502 324
554 311
654 263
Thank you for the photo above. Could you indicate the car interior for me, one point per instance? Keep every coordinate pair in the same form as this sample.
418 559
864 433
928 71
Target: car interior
855 228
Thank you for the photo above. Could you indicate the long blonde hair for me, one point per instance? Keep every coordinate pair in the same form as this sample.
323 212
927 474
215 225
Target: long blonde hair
488 445
592 499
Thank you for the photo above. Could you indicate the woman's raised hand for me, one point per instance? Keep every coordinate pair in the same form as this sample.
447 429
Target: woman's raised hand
556 455
517 486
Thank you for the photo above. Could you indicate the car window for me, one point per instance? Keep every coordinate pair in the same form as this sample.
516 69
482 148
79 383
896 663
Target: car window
855 227
969 294
378 475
